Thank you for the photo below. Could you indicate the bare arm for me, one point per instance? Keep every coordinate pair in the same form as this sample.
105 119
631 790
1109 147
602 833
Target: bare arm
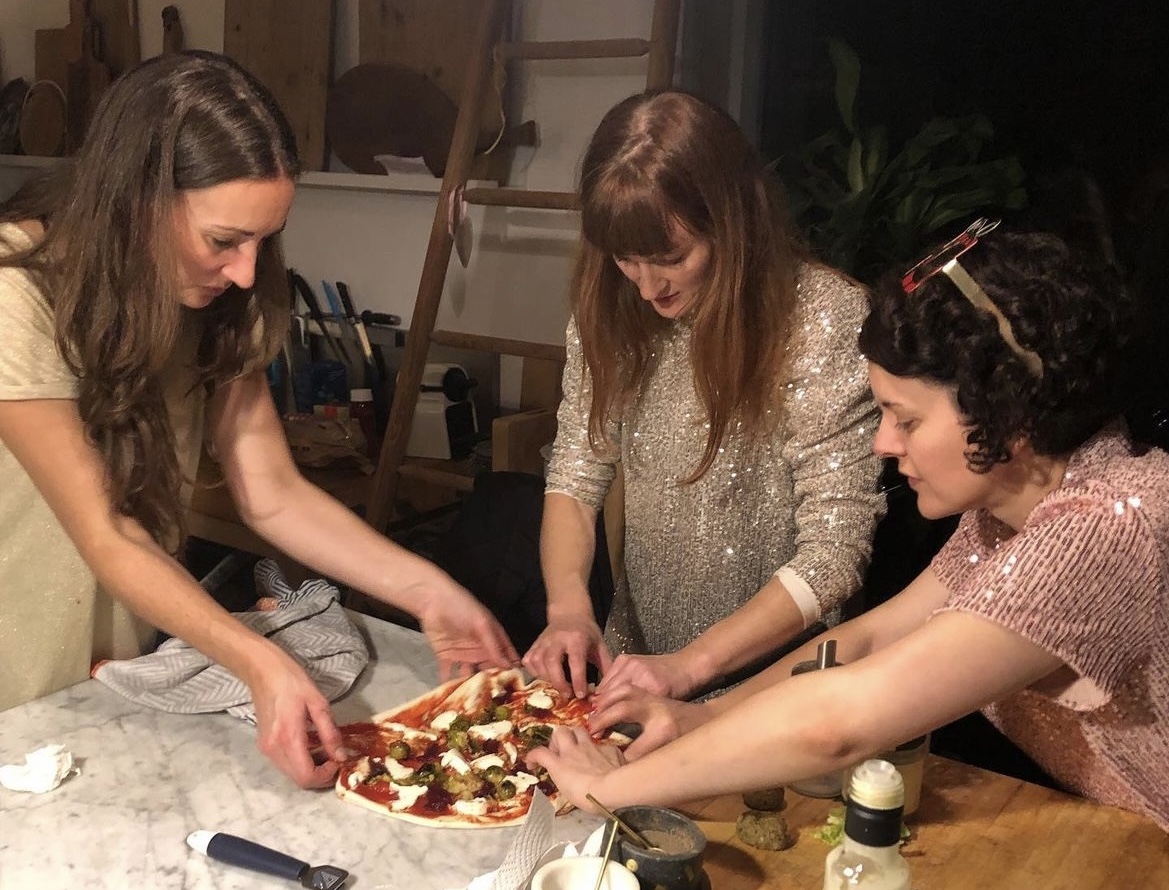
855 639
746 635
567 548
48 439
816 722
277 502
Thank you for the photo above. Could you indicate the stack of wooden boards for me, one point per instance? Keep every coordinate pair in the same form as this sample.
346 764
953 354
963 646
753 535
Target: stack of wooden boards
400 99
74 64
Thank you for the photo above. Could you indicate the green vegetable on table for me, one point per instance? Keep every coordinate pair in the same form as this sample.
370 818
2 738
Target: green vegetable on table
832 831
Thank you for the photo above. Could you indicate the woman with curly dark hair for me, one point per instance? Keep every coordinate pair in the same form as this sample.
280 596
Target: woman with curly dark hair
142 289
996 366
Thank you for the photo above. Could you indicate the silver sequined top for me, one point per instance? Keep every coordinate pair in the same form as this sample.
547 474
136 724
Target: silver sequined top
806 499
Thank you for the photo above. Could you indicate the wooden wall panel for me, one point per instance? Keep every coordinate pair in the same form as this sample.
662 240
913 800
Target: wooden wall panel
288 45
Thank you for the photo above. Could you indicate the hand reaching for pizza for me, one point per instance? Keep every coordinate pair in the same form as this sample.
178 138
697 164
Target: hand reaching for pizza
577 638
667 675
575 762
287 704
464 634
661 719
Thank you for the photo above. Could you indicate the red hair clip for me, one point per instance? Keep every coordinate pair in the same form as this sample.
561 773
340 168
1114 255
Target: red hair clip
932 264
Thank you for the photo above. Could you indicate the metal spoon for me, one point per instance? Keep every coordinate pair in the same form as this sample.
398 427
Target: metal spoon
625 826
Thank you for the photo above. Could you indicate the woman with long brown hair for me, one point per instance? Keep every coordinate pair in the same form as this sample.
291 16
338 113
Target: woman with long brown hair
143 292
711 357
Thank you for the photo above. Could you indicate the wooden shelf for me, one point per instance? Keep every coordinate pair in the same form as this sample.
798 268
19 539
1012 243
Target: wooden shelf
392 183
456 474
400 183
27 161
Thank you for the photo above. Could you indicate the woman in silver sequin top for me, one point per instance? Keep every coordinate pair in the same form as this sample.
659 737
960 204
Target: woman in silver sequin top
711 359
997 364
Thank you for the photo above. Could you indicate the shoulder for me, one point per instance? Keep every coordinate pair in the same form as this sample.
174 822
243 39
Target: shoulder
17 288
827 293
1098 542
1110 484
818 281
21 235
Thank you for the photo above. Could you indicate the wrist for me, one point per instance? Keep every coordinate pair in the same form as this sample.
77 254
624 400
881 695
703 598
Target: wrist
608 790
700 665
258 659
570 604
417 585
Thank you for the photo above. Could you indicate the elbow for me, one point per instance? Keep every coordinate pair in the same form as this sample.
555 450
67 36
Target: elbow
831 736
257 504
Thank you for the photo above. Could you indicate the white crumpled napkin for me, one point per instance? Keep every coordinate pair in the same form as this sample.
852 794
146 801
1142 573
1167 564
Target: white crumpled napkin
533 844
42 771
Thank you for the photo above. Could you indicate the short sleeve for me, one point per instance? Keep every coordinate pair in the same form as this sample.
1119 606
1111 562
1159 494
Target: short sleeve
30 365
1077 581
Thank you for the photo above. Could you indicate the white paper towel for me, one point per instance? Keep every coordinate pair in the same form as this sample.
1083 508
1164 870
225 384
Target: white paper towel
42 771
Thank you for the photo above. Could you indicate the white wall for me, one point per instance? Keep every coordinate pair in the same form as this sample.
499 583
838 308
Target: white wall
516 283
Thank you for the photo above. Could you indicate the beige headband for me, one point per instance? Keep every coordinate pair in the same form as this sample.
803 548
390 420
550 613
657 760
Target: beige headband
976 295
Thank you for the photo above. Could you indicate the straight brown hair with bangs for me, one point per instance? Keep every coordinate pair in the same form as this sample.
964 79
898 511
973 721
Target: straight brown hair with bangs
667 156
108 261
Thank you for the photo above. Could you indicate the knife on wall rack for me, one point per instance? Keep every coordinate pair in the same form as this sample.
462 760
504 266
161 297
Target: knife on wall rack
304 290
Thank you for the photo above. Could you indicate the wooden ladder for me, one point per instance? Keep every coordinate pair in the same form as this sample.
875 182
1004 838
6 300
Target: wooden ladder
660 50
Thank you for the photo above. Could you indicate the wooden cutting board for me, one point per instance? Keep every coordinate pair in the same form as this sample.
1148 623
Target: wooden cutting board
87 75
44 121
49 46
120 42
287 45
433 37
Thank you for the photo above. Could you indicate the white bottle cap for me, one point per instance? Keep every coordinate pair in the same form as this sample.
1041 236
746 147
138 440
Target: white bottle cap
878 785
361 395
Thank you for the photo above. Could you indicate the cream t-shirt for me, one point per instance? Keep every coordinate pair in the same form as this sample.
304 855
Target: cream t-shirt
55 621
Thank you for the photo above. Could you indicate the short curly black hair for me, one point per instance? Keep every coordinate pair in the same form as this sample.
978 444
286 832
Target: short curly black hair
1070 310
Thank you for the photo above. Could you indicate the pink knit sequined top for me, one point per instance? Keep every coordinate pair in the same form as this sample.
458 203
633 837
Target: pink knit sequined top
1086 578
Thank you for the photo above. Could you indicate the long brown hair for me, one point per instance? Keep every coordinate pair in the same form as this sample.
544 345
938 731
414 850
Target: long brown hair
108 261
665 156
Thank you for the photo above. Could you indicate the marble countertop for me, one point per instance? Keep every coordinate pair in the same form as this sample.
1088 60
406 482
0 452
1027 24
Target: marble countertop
148 779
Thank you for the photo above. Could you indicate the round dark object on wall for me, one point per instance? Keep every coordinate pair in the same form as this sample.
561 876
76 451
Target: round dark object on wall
384 109
44 120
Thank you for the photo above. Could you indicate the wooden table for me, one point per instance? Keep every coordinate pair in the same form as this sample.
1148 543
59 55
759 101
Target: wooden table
975 830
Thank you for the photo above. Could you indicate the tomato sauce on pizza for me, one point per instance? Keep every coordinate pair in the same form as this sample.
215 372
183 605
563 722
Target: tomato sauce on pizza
456 756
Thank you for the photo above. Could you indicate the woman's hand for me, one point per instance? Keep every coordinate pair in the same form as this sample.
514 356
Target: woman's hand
577 638
576 762
661 719
463 633
288 704
667 675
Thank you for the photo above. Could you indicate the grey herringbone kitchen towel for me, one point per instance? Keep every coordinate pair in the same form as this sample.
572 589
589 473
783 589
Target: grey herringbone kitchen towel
309 624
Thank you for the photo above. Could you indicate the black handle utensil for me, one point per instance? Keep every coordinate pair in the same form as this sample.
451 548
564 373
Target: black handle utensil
248 854
359 326
304 290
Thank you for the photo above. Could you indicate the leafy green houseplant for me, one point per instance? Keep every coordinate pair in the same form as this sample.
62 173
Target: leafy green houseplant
864 207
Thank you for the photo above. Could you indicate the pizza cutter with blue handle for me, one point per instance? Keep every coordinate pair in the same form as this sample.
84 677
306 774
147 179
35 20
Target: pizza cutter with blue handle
248 854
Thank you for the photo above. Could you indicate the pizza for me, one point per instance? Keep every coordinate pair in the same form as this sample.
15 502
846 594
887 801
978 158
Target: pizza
455 756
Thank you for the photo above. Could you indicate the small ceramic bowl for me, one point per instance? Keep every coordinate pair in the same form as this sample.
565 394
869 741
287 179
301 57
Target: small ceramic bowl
580 873
677 865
